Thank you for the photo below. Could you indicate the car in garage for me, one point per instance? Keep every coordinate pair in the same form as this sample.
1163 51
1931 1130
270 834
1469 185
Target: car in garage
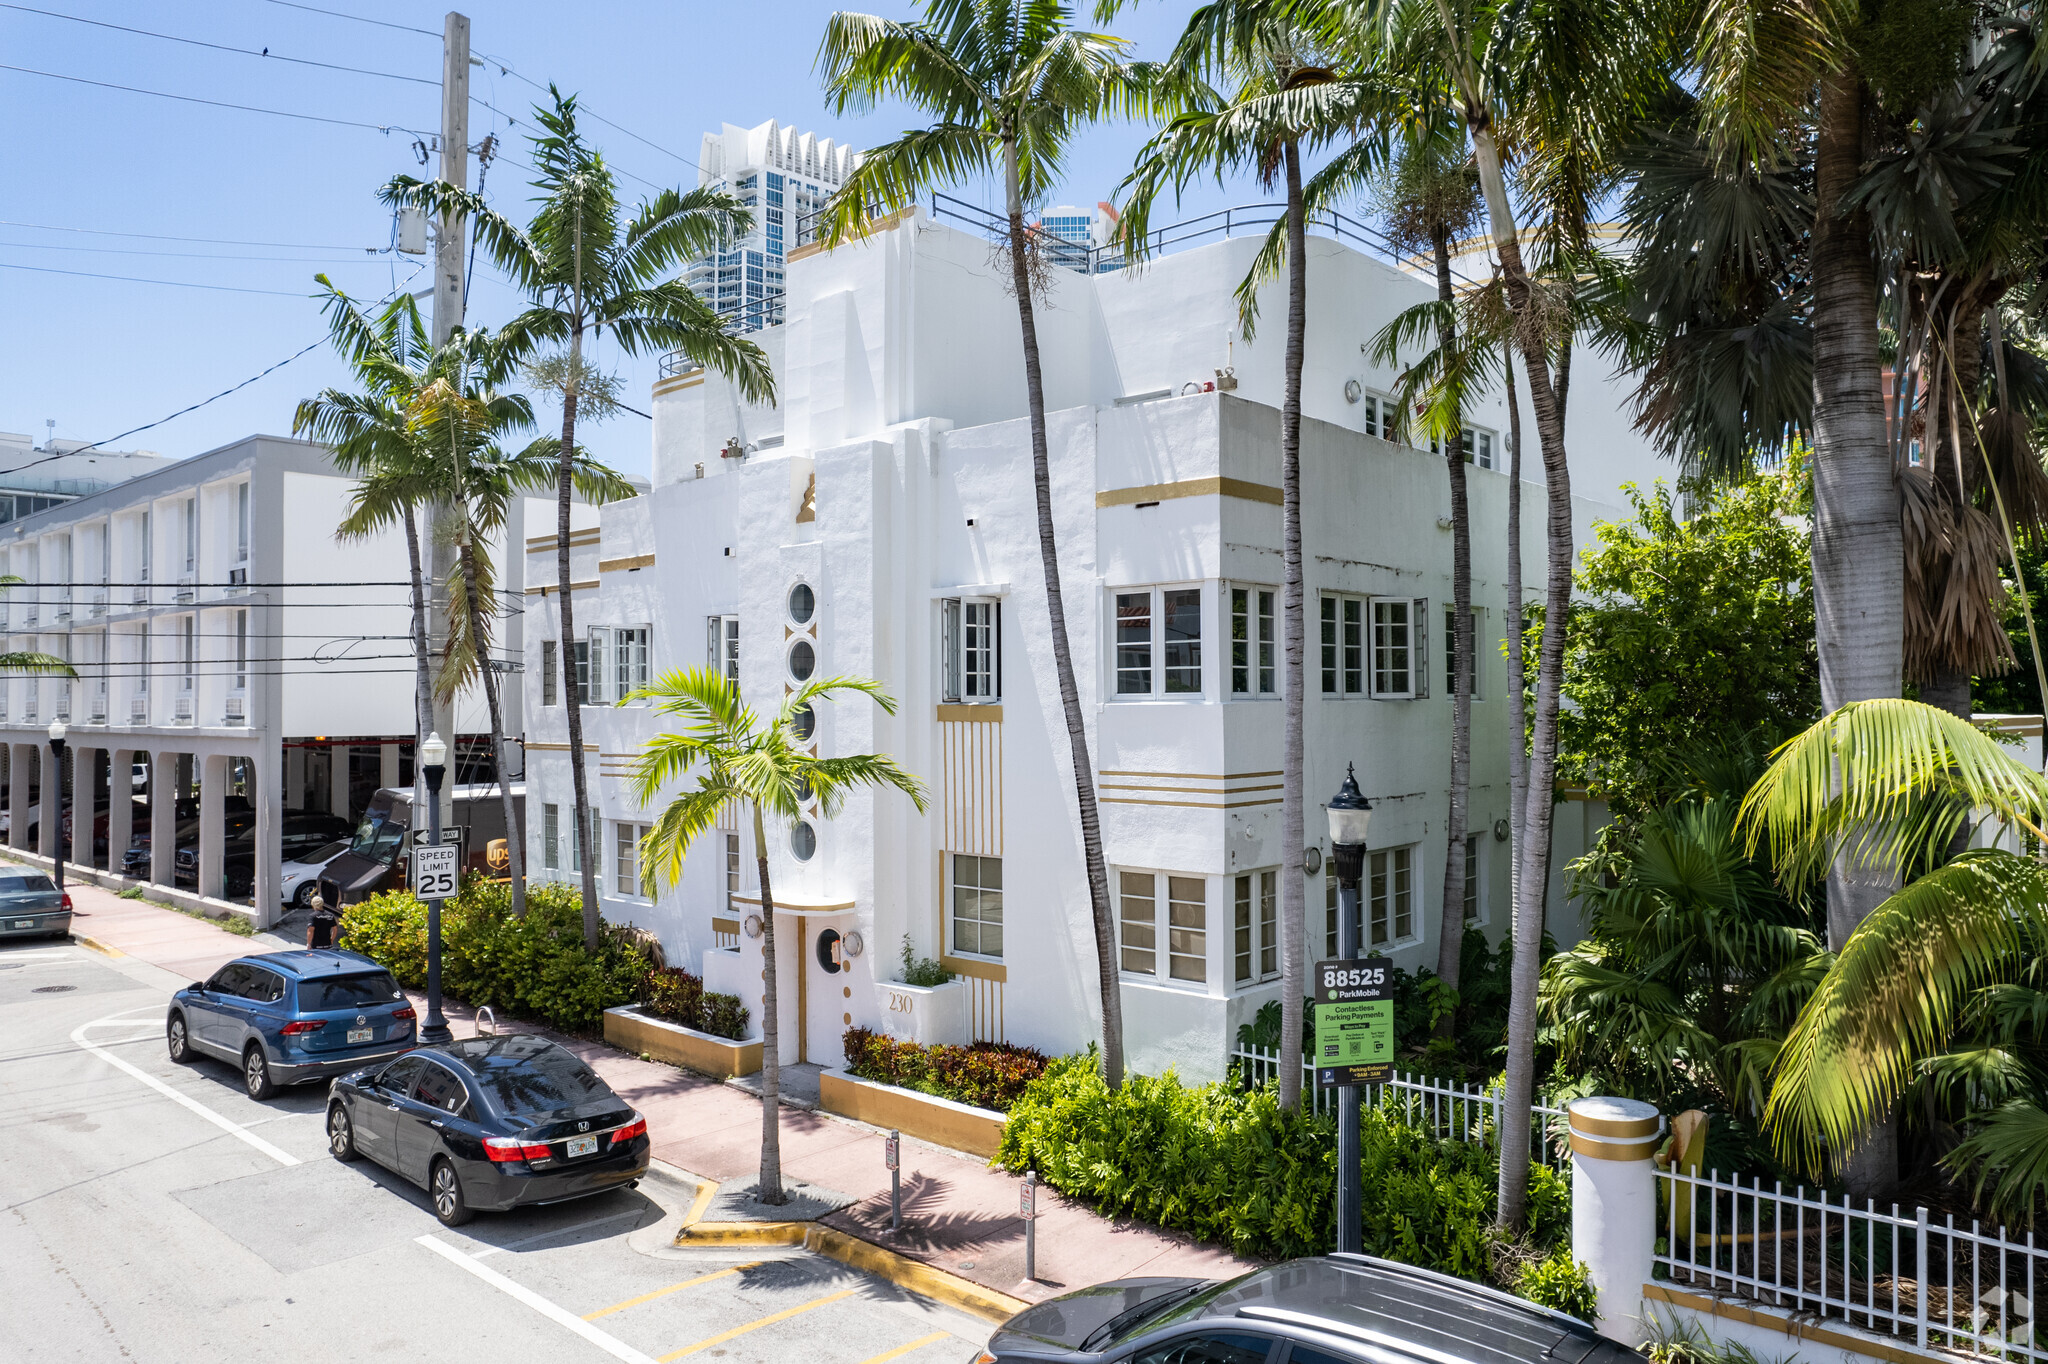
287 1017
489 1124
31 906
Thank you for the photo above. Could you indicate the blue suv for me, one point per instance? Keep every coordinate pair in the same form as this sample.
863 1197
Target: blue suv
286 1017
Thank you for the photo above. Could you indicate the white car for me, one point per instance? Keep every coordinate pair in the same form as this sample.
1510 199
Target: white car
298 879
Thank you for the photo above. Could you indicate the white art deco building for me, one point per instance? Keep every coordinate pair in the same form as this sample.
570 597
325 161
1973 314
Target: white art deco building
880 522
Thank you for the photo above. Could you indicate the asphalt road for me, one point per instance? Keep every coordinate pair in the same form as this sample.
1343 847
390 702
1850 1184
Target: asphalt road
152 1212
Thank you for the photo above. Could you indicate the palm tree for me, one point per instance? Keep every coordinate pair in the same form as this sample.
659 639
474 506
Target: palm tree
28 660
757 768
1008 84
590 272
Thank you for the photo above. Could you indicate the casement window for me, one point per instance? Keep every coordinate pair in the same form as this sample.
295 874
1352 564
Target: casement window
1342 625
551 837
1158 642
582 651
1400 654
576 849
976 900
1255 927
595 679
1451 651
142 547
142 660
618 661
1478 447
722 646
732 866
550 673
1390 898
970 642
1164 923
626 864
1475 890
242 647
1382 415
1330 925
1254 643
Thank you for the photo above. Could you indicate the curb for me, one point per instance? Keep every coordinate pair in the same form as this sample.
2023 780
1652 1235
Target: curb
96 945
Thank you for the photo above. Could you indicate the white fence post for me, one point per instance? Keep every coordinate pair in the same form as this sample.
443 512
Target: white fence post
1614 1206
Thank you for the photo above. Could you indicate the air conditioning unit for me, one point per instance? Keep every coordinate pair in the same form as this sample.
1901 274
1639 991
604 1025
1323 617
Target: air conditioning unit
142 594
238 710
99 603
28 712
98 713
64 705
32 613
238 581
138 710
63 611
185 587
181 710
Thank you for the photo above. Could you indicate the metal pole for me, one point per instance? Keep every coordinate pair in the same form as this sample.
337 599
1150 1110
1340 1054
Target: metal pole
1350 1203
57 833
1031 1229
436 1027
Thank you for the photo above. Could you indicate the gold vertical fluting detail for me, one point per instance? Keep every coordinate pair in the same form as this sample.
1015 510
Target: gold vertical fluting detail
971 770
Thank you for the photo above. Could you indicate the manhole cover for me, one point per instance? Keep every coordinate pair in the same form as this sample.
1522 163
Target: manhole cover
53 989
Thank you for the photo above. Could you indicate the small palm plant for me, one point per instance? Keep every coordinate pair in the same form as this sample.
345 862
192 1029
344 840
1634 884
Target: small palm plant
29 661
761 770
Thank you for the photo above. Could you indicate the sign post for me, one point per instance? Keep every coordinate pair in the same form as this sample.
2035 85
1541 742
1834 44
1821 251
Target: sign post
1027 1208
436 871
892 1156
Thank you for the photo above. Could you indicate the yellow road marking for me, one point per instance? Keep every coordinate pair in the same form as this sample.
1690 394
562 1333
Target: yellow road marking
664 1292
917 1344
784 1315
705 1191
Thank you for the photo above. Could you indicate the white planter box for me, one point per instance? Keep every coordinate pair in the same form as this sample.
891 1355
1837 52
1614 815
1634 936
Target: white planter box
925 1014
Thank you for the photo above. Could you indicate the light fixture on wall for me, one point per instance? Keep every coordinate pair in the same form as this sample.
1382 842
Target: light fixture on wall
751 926
851 943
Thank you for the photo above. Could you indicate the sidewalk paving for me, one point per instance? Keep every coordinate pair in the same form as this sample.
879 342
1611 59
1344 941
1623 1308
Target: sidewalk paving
959 1215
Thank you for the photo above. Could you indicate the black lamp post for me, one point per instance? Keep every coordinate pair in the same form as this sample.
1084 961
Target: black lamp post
433 763
1350 813
57 762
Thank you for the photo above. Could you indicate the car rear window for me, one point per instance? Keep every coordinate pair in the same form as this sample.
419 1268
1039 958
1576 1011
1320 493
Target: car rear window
347 992
24 885
537 1084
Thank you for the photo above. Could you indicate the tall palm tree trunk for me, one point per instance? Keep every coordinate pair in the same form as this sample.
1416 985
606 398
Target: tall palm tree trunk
1451 934
423 679
1858 545
1293 818
1063 659
1518 677
564 491
769 1189
515 851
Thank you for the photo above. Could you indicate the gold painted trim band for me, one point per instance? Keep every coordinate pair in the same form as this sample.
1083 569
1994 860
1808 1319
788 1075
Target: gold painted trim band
1595 1149
663 387
783 907
980 970
1190 487
1186 776
1189 804
984 715
556 588
1624 1128
625 565
1789 1326
561 748
587 536
1186 791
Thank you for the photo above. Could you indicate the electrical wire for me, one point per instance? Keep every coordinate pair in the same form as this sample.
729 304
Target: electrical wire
266 53
143 279
369 256
337 14
386 128
582 108
208 241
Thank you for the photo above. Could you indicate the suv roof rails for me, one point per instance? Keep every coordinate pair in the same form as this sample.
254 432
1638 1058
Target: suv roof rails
1451 1282
1332 1326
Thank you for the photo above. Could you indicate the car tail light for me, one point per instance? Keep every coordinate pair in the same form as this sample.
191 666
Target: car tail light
406 1012
299 1025
635 1128
512 1148
67 901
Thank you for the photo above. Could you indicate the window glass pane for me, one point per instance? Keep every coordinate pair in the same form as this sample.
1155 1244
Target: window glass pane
626 866
550 673
1354 648
1187 922
1329 624
949 628
978 649
550 836
1243 949
1269 924
1390 648
978 905
1404 909
1472 878
1232 1348
1377 891
732 863
1240 642
1137 916
1267 671
1134 644
1182 610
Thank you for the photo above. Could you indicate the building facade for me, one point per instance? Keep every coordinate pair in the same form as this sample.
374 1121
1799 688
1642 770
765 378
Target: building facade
34 478
783 176
881 522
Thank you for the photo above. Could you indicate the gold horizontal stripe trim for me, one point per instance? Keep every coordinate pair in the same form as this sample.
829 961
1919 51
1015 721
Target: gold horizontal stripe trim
980 970
1594 1149
1185 791
630 562
1628 1129
788 907
1189 776
677 383
1856 1343
576 537
558 748
555 588
1189 804
986 715
1190 487
719 925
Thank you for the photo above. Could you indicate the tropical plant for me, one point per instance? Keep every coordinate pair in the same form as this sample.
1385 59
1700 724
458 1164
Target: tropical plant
755 767
1008 84
589 272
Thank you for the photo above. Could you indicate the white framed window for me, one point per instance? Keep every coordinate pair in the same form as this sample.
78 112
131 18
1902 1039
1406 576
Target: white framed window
1389 898
1451 651
188 644
1342 625
1400 653
597 681
142 547
551 837
1163 923
241 523
582 650
1382 415
629 660
142 660
576 848
970 643
626 863
242 647
975 904
723 646
1254 642
732 866
1158 642
550 673
1329 910
1475 881
1255 927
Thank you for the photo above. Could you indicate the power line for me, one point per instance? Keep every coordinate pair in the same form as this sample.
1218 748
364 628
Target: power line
161 237
582 108
369 256
218 47
141 279
337 14
223 104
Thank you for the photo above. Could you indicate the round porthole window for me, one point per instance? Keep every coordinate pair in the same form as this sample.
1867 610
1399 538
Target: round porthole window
803 660
802 603
803 724
803 841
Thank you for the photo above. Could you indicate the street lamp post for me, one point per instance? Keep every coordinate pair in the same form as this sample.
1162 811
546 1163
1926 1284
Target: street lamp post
433 762
57 763
1350 813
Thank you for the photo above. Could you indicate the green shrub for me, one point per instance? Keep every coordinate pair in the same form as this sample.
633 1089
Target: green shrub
724 1016
986 1074
679 997
1559 1282
922 971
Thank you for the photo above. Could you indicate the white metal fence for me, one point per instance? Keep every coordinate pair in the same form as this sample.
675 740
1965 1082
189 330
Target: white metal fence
1446 1109
1910 1274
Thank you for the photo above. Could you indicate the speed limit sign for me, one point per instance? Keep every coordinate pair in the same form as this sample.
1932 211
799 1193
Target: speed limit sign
436 873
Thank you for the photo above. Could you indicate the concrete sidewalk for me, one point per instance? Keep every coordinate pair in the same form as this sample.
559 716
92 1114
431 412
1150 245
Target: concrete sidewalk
959 1215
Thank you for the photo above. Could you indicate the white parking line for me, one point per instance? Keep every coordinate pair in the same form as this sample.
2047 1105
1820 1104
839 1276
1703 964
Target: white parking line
225 1124
610 1344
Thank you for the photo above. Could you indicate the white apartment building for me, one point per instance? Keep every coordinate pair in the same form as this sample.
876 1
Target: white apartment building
880 522
784 176
227 641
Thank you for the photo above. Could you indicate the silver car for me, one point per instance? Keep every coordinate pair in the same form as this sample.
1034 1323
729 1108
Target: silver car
31 906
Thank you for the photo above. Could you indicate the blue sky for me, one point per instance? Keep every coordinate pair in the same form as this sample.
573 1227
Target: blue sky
282 199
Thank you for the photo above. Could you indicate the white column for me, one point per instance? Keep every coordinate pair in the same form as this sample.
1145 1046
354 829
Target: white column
213 789
387 765
1614 1206
20 764
163 817
269 800
120 806
50 808
295 778
337 781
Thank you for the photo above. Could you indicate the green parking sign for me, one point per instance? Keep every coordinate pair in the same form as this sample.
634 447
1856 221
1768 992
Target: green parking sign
1354 1042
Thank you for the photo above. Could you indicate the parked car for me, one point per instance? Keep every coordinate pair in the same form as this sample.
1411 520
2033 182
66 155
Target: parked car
288 1017
490 1123
31 906
298 878
303 831
185 810
1330 1309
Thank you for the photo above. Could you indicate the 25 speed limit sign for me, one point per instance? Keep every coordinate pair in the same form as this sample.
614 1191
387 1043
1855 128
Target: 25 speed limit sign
436 872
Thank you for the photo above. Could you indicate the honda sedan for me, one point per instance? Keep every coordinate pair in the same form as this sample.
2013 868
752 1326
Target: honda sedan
490 1123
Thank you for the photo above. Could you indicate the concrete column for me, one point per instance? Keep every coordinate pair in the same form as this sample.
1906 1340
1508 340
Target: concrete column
120 806
269 802
387 764
85 761
50 809
163 816
337 782
213 786
295 779
21 770
1614 1206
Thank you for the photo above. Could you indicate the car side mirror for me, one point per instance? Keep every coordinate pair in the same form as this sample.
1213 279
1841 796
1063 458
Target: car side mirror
198 985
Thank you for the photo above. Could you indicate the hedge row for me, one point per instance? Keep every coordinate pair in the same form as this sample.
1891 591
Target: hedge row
679 997
985 1074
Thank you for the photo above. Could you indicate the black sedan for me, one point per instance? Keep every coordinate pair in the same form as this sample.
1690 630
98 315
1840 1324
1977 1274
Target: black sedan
489 1123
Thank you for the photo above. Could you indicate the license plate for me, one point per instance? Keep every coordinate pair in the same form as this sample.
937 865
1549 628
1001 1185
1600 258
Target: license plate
582 1146
24 923
356 1035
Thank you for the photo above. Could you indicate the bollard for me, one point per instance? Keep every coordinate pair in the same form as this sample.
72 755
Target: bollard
892 1155
1614 1206
1027 1207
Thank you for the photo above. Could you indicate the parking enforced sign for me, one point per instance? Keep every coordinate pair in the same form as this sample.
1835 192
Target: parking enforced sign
436 872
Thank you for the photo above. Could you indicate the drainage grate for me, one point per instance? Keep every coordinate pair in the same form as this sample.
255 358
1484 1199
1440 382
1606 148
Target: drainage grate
53 989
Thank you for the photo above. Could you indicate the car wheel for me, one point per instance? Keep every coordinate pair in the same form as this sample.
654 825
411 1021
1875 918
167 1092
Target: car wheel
341 1133
302 898
256 1072
176 1040
447 1194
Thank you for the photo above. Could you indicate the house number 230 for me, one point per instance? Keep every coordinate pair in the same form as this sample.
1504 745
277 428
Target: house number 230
900 1004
